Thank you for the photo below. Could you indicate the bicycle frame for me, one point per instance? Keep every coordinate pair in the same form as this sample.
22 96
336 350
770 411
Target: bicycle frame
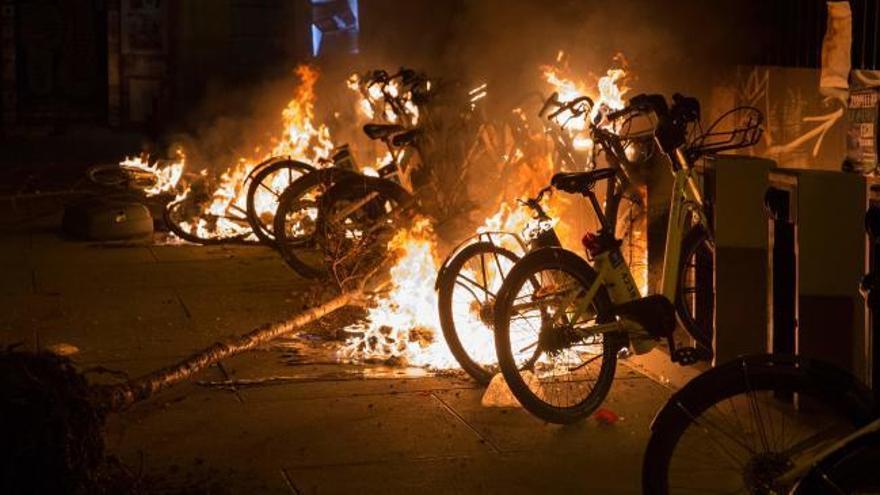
687 200
613 273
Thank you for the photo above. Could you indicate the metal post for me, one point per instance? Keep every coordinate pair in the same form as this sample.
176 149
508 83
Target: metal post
783 262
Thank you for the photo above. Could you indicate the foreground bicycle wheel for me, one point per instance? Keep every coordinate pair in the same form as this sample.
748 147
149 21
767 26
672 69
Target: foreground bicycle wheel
265 185
466 292
739 427
539 310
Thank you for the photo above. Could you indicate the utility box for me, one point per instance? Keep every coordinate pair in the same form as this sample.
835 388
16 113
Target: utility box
741 243
831 262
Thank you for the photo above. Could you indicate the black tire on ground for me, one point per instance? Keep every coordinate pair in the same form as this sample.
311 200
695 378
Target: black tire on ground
386 197
823 383
697 254
264 227
299 250
557 259
446 288
172 220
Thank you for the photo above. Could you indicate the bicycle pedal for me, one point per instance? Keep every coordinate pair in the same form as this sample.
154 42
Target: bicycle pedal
686 356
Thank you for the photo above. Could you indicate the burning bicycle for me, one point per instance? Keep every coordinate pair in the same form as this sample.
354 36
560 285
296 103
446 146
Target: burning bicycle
469 279
334 222
579 316
238 205
300 226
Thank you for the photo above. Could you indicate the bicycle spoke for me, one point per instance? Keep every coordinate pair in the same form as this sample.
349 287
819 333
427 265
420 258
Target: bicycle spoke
477 285
264 186
483 270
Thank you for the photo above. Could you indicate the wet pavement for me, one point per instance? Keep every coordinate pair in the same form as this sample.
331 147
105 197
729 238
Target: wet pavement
281 420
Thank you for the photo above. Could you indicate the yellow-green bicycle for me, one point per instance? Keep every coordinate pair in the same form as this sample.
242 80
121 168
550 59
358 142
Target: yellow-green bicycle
580 315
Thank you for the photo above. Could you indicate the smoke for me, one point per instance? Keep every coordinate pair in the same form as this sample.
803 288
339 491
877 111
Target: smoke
682 46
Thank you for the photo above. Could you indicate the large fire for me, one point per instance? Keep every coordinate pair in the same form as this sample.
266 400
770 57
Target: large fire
300 138
403 325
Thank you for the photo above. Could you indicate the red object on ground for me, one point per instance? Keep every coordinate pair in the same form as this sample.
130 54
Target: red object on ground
606 417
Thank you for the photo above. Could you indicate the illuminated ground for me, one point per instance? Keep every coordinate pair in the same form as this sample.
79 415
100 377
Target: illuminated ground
321 427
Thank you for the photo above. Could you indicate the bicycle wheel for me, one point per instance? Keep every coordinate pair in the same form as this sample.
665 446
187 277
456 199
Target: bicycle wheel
265 186
735 428
466 293
540 309
695 296
843 472
295 221
186 220
121 176
357 217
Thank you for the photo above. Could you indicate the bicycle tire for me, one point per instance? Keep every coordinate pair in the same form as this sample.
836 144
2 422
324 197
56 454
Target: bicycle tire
175 227
482 374
843 471
785 374
696 245
261 228
554 258
291 201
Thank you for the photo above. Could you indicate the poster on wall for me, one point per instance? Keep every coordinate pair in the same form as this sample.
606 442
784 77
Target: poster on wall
863 114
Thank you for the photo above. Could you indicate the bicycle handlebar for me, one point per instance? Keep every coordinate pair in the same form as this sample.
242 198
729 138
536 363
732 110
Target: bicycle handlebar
535 203
562 106
642 103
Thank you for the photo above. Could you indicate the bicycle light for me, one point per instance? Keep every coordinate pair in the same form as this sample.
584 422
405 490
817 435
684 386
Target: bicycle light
592 244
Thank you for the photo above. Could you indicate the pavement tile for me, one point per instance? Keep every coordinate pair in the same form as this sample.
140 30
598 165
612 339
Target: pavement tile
24 316
16 279
524 473
192 252
114 324
341 430
52 249
634 398
224 311
13 249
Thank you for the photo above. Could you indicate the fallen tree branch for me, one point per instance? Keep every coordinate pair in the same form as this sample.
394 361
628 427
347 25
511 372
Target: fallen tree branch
121 396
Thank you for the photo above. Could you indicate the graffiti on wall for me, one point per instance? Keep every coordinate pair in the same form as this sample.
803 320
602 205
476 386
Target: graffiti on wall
803 128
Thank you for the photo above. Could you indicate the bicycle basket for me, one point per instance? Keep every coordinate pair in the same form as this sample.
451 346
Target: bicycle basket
738 128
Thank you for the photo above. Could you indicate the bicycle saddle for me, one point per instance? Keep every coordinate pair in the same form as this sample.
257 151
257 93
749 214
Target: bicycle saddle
405 138
381 131
580 182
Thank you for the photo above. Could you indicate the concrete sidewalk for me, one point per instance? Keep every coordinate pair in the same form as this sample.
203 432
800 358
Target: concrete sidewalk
317 427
